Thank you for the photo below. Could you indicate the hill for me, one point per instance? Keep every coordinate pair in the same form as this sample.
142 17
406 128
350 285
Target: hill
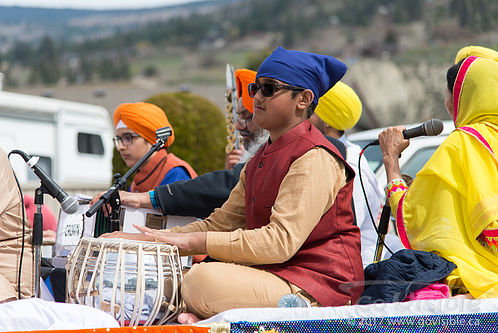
16 14
27 24
397 51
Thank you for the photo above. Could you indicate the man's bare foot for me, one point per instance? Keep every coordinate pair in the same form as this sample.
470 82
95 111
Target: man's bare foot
187 318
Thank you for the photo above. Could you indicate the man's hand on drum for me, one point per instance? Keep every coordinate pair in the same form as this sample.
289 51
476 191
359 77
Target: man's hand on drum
128 235
135 200
192 242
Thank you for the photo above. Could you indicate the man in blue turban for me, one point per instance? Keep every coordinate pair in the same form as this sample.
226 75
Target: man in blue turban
315 72
287 227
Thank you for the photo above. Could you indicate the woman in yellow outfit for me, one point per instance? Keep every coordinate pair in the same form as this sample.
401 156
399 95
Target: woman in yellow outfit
451 208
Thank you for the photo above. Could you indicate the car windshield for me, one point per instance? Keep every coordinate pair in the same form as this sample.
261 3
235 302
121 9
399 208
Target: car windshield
417 161
373 154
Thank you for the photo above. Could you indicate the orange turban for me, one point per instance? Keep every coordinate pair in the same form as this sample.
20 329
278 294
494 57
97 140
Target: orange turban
243 78
144 119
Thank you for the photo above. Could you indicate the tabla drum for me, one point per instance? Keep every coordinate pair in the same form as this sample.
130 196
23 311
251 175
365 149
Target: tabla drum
72 227
136 282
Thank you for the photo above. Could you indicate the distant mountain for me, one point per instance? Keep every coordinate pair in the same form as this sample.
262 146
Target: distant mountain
16 14
24 24
88 46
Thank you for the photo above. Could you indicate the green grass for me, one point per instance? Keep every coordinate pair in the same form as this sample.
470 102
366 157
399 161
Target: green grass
162 63
430 55
175 69
237 59
440 55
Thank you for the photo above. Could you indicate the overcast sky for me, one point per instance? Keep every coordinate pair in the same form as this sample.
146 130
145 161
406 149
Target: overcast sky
93 4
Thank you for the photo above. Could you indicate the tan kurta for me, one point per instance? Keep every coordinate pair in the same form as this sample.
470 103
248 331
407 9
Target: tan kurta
296 212
11 238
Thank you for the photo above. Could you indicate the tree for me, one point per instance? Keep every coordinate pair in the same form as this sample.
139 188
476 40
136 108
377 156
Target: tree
111 69
22 53
150 71
86 70
46 66
254 60
478 14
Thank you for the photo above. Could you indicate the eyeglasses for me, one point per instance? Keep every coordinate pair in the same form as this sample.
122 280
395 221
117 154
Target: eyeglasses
269 89
126 139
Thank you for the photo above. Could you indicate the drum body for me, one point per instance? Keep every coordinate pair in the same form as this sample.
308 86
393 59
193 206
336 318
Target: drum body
136 282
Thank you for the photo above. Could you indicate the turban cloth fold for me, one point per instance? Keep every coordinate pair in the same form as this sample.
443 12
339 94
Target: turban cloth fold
478 51
303 69
243 77
144 119
340 107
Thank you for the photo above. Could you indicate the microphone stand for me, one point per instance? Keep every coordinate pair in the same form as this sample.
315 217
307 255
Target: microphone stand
112 195
38 236
383 225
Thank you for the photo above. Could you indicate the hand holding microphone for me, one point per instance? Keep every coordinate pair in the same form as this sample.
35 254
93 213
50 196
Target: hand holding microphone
394 140
431 127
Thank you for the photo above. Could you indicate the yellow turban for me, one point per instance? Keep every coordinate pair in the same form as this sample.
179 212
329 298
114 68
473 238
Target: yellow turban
340 107
144 119
478 51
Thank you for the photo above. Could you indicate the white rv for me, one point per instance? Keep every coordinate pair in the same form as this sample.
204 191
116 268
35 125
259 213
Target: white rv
73 141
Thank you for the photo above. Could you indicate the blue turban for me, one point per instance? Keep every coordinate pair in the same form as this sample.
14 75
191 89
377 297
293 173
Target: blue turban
307 70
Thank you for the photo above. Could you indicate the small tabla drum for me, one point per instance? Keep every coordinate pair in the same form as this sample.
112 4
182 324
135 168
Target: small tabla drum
136 282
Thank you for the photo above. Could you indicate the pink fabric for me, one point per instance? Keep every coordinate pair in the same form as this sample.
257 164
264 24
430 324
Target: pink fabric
457 88
49 222
400 224
433 291
475 133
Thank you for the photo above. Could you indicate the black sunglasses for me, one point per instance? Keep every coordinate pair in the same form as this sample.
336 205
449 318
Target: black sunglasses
269 89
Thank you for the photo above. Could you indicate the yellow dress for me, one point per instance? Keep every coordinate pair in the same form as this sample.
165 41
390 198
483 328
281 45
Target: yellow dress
453 201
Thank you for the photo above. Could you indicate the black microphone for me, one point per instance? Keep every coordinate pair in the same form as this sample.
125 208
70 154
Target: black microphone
68 204
162 136
431 127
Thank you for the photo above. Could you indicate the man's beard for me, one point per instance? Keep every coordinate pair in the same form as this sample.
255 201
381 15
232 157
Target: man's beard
259 138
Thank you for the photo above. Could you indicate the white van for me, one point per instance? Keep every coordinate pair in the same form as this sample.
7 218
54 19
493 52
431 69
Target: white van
73 141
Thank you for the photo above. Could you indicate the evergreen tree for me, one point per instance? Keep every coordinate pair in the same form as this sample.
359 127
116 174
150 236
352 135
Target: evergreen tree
46 66
21 53
480 15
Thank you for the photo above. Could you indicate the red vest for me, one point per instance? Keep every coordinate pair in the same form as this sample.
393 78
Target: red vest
328 265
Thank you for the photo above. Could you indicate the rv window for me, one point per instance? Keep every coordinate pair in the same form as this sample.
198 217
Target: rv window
46 164
90 144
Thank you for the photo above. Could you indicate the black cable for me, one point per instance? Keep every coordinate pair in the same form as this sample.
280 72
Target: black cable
366 200
23 228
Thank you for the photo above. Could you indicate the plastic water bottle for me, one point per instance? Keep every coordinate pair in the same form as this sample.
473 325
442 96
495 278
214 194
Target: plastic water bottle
292 301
